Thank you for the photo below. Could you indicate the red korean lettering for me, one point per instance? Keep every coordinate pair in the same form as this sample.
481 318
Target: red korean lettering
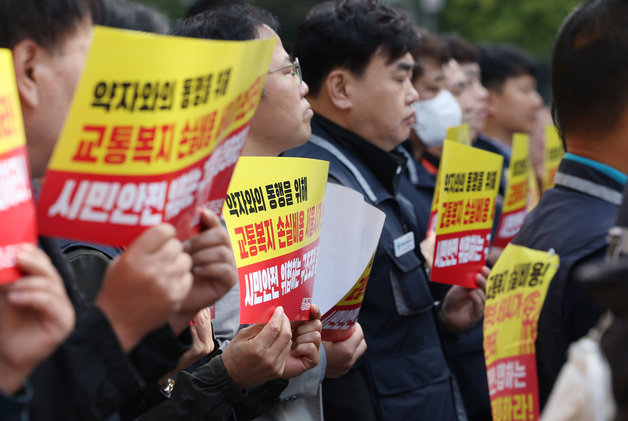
145 143
118 144
85 151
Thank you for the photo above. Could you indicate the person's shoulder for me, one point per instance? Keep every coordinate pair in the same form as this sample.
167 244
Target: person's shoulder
89 263
569 222
308 150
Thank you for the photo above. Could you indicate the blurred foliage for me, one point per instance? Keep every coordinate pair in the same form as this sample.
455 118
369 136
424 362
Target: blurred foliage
531 24
289 13
173 8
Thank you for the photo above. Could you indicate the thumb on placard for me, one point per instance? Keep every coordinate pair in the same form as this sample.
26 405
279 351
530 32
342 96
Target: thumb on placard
153 238
209 219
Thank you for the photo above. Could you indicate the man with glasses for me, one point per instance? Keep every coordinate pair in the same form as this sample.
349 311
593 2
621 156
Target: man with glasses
253 358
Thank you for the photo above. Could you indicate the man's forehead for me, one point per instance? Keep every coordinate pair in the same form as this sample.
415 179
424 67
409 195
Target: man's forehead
285 58
437 77
405 62
470 68
522 79
383 53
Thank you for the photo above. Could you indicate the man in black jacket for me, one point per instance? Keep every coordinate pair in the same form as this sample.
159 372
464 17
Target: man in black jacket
122 343
589 84
357 59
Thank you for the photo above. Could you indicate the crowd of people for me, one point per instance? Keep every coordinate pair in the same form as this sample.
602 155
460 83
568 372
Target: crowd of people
93 332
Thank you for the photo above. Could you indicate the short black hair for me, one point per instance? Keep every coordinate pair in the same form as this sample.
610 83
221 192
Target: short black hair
430 47
47 22
590 69
499 62
461 50
347 34
236 21
124 14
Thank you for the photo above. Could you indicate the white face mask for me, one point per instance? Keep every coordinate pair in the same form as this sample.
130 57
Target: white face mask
434 116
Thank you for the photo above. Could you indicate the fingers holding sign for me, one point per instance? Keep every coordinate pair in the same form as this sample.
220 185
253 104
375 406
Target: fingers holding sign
258 353
307 340
213 267
341 356
144 285
35 318
464 307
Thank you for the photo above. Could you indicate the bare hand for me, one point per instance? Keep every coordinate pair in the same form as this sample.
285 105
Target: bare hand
427 249
36 316
144 285
342 355
493 254
258 353
214 266
464 307
306 341
202 342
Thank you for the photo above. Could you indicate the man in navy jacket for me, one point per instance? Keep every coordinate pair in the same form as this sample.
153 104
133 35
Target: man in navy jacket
357 59
589 84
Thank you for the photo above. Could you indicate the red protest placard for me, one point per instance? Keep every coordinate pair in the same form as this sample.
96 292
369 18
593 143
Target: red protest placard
515 205
17 211
515 293
466 209
273 212
143 144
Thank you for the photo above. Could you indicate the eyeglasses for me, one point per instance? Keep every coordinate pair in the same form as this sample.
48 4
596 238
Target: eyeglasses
296 69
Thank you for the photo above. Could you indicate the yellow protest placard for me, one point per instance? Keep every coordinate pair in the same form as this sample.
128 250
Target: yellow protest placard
514 209
466 209
554 153
460 134
17 211
431 225
273 211
515 293
155 128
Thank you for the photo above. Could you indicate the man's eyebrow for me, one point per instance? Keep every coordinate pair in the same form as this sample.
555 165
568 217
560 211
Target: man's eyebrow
405 66
458 85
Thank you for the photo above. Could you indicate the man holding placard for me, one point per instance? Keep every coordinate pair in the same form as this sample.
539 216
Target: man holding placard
145 286
509 75
36 315
359 74
281 121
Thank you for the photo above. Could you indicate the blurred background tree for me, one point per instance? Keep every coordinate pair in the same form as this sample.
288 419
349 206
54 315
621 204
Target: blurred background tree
530 24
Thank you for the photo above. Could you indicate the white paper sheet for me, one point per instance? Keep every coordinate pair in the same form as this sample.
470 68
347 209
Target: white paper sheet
349 235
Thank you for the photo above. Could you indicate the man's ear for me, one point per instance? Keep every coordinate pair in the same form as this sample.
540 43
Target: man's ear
492 102
26 59
339 84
